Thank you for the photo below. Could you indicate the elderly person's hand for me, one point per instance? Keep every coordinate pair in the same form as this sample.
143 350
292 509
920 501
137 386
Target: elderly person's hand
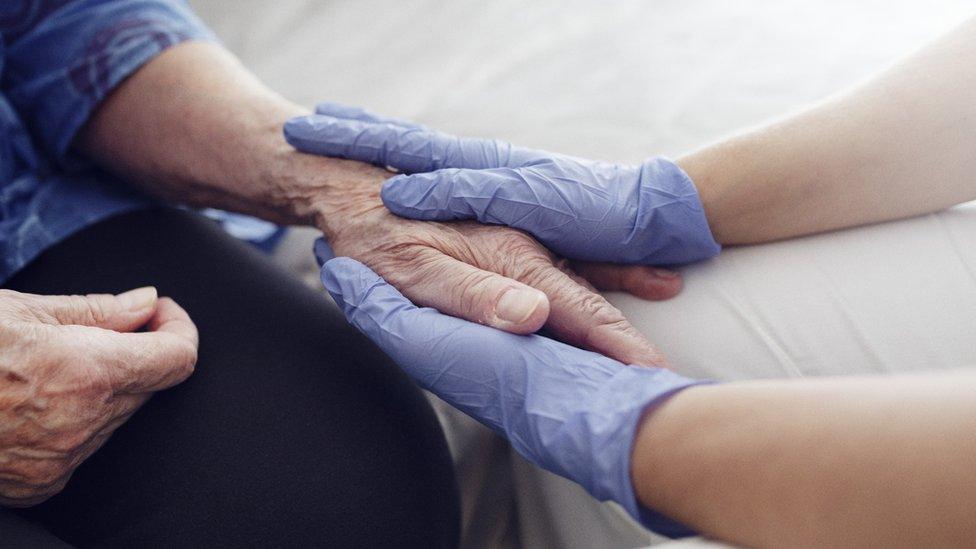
491 275
495 276
72 370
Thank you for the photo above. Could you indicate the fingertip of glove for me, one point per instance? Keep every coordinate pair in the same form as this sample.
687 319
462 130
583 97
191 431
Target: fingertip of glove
360 292
323 252
343 275
308 125
392 191
333 108
414 196
296 129
347 280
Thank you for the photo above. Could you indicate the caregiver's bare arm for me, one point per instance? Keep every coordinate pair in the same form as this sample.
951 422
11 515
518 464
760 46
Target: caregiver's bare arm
901 144
882 461
194 126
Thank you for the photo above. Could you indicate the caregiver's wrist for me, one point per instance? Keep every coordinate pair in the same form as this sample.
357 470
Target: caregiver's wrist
661 438
713 190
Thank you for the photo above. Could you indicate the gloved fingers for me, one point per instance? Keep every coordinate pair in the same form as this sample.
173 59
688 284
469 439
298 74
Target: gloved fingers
478 369
340 110
323 252
433 279
414 337
651 283
406 149
518 198
583 318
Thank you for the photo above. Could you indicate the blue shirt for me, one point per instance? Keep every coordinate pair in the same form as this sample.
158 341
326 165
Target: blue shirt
59 59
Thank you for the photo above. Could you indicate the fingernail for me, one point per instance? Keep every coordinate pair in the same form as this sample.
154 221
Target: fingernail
140 298
517 305
664 273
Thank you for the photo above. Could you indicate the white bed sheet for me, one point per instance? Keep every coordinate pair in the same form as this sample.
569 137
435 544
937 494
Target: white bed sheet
624 80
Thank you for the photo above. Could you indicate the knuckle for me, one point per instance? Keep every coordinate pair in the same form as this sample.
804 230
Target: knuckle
20 496
33 477
187 362
75 311
537 272
471 297
516 242
11 296
408 263
598 308
66 444
95 308
94 379
47 474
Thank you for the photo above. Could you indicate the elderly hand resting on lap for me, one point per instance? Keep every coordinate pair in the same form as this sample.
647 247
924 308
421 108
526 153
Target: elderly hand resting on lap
74 369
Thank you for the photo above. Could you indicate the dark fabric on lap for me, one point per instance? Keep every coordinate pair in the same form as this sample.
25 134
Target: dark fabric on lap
293 431
17 532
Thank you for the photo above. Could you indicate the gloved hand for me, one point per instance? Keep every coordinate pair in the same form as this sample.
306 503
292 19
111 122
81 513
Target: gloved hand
580 209
570 411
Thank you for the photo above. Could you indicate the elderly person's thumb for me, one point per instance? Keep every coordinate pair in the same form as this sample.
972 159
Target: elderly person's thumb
124 312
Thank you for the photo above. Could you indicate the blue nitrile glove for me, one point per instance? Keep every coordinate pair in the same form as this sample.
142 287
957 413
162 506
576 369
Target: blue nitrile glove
581 209
349 112
570 411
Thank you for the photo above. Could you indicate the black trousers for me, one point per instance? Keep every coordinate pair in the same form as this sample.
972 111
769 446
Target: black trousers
293 431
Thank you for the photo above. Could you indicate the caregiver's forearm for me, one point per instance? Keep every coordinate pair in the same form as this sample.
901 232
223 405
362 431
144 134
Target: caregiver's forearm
899 145
834 462
194 126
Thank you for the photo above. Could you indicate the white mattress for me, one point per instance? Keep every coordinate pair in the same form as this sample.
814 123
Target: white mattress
624 80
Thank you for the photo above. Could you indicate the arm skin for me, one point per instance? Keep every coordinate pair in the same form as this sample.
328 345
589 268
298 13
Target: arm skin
899 145
194 126
831 463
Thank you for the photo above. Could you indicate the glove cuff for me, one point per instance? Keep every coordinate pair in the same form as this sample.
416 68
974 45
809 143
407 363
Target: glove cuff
641 388
671 217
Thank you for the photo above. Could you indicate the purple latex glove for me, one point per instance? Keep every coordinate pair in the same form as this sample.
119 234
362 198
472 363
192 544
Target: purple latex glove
594 211
570 411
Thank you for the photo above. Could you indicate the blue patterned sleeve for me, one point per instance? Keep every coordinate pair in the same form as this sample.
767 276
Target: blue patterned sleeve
63 57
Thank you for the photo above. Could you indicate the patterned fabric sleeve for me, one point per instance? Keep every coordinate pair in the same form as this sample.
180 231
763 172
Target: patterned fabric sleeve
63 57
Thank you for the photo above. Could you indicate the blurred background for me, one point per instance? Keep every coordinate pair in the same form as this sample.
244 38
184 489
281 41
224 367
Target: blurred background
620 80
616 80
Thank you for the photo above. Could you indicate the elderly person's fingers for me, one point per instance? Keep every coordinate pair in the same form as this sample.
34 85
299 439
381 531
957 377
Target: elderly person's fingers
433 279
651 283
123 313
582 317
143 362
453 287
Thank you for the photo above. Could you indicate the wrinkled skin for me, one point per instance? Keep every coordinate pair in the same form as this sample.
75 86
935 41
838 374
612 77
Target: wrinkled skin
462 268
70 374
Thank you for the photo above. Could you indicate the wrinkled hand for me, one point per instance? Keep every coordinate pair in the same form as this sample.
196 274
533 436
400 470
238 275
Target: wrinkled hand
491 275
72 371
570 411
581 209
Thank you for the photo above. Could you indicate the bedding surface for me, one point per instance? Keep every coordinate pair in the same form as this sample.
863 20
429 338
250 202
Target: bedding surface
622 81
